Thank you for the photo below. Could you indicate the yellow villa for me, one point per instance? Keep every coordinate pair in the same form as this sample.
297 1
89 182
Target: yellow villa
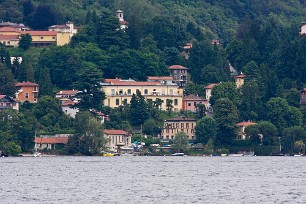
119 92
176 125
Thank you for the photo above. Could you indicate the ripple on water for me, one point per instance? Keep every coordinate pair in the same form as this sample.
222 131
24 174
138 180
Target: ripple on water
153 180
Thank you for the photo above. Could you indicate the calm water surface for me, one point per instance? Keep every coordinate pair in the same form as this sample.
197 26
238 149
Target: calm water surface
153 180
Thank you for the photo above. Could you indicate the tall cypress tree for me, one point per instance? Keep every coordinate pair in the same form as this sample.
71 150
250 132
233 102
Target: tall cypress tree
45 85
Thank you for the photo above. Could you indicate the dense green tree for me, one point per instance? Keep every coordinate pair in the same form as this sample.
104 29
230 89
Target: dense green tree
251 70
8 145
225 90
7 82
253 134
169 106
290 136
165 32
89 137
283 115
151 127
293 97
180 142
25 41
44 81
138 109
226 116
250 103
63 63
195 89
206 129
42 17
203 54
89 86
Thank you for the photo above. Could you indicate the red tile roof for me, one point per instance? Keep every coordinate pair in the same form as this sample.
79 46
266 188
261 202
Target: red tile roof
177 67
245 124
68 103
2 96
20 84
193 97
131 83
210 86
40 33
67 92
10 29
123 22
169 78
115 132
241 76
51 140
9 37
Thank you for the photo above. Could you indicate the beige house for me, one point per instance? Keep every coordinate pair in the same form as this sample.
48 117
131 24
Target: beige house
176 125
10 37
117 139
9 40
50 143
241 127
119 92
239 80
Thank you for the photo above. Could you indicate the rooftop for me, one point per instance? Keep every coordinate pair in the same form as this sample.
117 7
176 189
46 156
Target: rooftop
67 92
9 37
193 97
181 118
51 140
39 33
175 66
115 132
21 84
167 78
9 29
245 124
210 86
130 82
241 76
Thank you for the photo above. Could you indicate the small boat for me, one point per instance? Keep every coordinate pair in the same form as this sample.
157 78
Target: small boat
108 155
235 155
297 155
279 154
178 154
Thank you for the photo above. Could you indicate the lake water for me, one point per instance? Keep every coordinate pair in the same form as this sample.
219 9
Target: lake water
153 180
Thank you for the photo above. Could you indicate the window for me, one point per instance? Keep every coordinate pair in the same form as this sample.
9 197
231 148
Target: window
125 102
182 125
175 102
35 88
189 104
41 37
129 92
117 101
187 125
194 103
163 91
120 91
53 37
113 92
35 95
171 91
26 95
137 90
146 91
